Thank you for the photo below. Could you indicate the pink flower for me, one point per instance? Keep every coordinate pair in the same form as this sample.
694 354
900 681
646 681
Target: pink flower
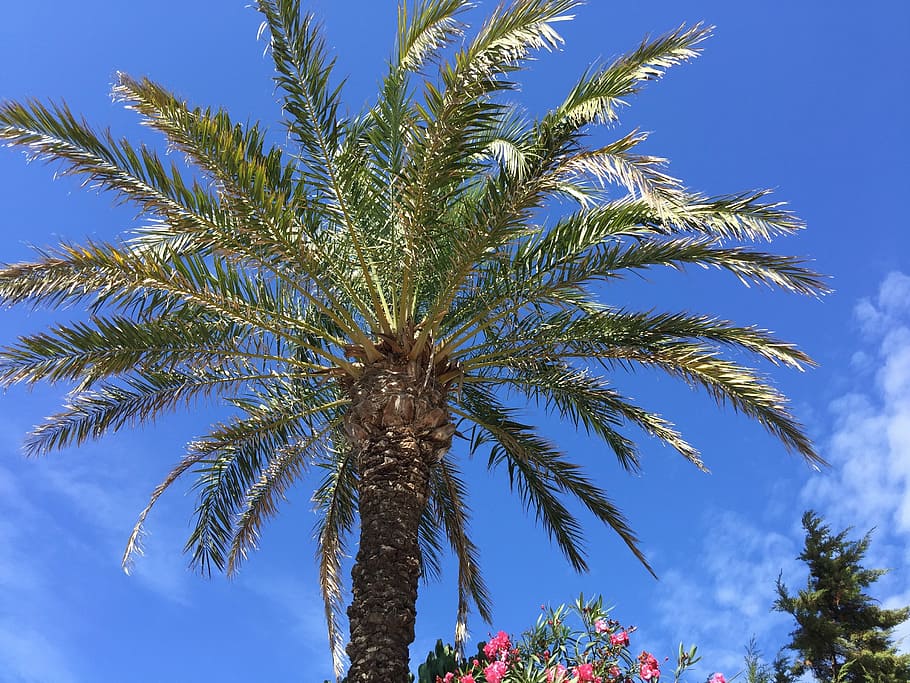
717 678
448 678
601 626
495 672
585 673
614 672
649 667
498 647
467 678
556 674
621 638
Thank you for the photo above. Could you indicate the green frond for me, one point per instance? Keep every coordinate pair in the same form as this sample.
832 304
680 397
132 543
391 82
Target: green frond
641 175
506 39
263 194
211 284
445 157
600 92
304 70
261 499
252 176
620 329
51 133
448 500
237 453
727 382
750 267
336 503
424 28
586 400
743 217
540 474
110 346
133 401
429 537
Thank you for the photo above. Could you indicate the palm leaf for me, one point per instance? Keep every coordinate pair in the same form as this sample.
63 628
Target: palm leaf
540 475
336 501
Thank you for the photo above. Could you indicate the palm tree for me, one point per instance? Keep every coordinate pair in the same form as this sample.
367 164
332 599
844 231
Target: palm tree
372 289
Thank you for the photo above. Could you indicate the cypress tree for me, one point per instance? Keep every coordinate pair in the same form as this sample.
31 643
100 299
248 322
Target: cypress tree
842 634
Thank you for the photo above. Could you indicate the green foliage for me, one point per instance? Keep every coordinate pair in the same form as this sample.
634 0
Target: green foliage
841 633
756 670
440 661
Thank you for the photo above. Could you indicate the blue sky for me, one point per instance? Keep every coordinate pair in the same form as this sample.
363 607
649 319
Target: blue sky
810 98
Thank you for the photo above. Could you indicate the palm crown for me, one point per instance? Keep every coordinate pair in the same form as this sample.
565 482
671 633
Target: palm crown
408 237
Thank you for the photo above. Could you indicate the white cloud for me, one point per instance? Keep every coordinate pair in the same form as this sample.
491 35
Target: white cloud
727 597
27 600
29 656
38 502
868 484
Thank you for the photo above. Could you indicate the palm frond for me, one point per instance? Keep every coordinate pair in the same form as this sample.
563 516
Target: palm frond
600 92
425 28
136 400
586 400
336 502
262 498
136 174
134 544
728 382
749 266
448 499
237 453
110 346
304 71
540 474
262 193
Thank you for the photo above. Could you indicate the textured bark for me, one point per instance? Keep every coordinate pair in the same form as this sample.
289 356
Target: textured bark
400 428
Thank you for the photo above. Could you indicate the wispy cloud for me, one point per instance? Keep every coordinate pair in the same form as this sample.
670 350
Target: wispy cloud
724 597
29 656
27 601
55 514
869 483
299 604
108 497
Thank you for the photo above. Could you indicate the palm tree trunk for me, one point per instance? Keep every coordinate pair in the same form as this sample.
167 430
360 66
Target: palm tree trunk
400 428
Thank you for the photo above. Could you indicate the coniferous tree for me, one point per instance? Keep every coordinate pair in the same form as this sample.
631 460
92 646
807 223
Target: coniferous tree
757 670
842 634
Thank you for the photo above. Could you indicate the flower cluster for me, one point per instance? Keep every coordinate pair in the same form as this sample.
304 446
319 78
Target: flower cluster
648 668
579 643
